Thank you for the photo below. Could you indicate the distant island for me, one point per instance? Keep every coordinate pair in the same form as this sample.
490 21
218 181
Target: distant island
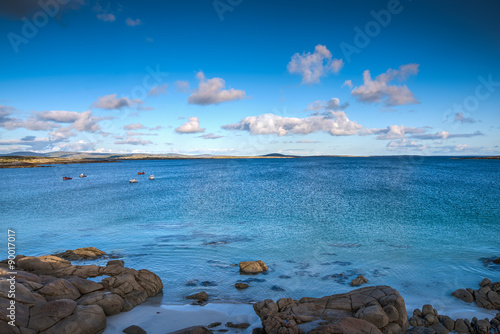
34 159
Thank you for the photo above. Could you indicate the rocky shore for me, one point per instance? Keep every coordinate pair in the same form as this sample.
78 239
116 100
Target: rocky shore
52 295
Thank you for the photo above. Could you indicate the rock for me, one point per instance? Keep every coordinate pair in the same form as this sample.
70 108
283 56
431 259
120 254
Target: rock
84 286
464 295
43 264
214 324
87 253
347 326
116 262
23 294
359 280
85 320
192 330
253 267
482 326
372 309
421 330
59 289
427 309
373 314
111 304
448 323
241 286
134 330
497 261
430 319
199 296
485 282
440 329
243 325
22 312
416 321
461 327
43 316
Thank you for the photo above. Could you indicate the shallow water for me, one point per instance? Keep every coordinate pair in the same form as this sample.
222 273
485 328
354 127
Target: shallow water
420 225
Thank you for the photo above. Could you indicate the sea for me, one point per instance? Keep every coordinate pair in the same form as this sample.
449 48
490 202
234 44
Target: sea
425 226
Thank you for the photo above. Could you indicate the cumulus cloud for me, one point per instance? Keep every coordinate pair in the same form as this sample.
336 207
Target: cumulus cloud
106 17
191 126
392 132
136 126
337 124
133 23
32 143
158 90
332 104
347 83
134 141
210 136
381 90
312 66
211 91
182 86
111 102
460 118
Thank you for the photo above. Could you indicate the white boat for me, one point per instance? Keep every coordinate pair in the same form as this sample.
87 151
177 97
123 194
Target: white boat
83 175
132 181
151 177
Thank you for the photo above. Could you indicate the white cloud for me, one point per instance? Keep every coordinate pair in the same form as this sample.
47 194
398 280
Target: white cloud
337 124
392 132
347 83
131 134
106 17
441 135
191 126
211 91
380 89
210 136
312 66
111 102
405 145
460 118
134 141
78 146
332 105
133 23
83 121
158 90
136 126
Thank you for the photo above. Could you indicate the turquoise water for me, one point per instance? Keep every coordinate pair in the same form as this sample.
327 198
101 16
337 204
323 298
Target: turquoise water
421 225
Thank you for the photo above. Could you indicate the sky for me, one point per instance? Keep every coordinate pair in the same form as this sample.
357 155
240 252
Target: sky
241 77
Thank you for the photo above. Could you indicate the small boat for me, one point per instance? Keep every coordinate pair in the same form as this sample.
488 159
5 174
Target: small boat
132 181
67 178
83 175
141 173
151 177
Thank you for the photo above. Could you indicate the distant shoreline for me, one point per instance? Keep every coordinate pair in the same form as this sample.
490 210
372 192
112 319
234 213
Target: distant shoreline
15 161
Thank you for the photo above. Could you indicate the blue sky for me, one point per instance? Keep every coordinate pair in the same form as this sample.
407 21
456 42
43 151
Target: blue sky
250 77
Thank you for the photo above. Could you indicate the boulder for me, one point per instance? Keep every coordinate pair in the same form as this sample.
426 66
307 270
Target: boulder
242 325
23 294
87 253
111 304
84 286
44 316
85 320
371 309
43 264
134 330
359 280
241 286
199 296
252 267
59 289
464 295
421 330
192 330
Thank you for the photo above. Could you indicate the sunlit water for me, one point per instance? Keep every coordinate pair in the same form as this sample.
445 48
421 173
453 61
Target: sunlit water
420 225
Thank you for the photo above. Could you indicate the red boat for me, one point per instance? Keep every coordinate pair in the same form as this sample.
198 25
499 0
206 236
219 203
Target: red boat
141 173
67 178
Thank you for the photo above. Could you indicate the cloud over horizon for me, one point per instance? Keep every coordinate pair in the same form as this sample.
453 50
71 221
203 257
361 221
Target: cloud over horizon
191 126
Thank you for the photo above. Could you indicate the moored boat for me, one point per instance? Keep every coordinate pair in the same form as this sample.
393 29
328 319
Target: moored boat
151 177
132 181
67 178
83 175
141 173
